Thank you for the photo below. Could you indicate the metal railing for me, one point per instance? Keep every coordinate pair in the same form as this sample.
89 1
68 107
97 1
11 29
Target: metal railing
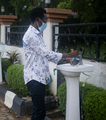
14 35
90 38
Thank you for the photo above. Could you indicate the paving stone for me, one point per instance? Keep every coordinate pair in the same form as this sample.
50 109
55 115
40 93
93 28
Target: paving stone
1 113
26 98
3 117
8 114
28 119
10 117
4 110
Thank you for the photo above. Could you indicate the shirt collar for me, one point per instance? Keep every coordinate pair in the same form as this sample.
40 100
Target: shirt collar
34 29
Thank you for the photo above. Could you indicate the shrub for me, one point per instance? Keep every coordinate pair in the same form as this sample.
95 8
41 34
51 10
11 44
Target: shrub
16 80
5 64
94 105
13 57
88 89
65 5
62 97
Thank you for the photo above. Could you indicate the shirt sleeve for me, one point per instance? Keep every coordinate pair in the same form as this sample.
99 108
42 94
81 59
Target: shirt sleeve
39 46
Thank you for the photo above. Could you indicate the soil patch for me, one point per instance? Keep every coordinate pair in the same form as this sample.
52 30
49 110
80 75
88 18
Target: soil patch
7 87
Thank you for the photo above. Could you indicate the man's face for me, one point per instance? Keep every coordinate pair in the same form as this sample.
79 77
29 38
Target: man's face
44 19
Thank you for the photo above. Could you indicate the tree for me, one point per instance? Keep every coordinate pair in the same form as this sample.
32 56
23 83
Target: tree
88 10
91 10
20 8
65 4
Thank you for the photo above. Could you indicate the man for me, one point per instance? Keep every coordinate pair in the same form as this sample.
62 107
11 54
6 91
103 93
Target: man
37 55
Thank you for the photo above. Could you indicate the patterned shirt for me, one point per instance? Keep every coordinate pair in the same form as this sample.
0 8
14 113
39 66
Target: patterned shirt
37 56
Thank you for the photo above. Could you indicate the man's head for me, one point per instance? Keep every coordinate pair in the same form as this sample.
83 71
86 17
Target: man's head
37 16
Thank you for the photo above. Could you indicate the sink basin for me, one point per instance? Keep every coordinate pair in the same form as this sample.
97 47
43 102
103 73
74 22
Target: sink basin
69 70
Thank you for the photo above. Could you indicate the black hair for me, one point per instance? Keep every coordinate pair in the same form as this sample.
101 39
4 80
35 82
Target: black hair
36 12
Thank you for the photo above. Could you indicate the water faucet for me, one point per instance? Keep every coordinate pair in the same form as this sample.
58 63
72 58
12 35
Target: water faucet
80 58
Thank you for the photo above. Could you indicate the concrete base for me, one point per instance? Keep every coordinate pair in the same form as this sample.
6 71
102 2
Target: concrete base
13 102
20 106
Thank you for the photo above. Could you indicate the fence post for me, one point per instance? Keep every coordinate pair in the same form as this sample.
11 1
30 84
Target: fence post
98 44
3 33
5 20
55 16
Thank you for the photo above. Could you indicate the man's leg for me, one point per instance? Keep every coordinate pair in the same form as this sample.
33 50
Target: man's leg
37 91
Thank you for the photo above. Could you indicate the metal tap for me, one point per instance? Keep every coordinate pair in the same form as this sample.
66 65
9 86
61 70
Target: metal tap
80 58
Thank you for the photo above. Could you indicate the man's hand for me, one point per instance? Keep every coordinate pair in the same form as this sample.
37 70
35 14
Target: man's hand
75 53
71 61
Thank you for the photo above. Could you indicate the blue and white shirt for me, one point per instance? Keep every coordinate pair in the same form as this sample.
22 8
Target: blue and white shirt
37 56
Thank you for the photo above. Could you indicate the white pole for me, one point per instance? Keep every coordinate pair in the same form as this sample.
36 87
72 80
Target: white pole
72 103
0 69
47 36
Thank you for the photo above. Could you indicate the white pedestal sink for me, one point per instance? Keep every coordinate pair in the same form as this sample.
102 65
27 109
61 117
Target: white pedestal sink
72 74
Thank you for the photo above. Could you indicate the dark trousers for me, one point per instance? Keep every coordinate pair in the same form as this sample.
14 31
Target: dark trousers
37 92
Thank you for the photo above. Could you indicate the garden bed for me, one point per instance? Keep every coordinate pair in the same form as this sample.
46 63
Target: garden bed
20 104
7 87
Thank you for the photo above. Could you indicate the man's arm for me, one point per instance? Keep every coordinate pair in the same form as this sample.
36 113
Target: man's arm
71 54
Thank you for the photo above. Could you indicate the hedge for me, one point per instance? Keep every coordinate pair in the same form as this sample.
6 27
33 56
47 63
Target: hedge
94 105
5 64
93 97
62 97
16 80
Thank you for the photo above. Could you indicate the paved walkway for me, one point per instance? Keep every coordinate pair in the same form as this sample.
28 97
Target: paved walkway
8 114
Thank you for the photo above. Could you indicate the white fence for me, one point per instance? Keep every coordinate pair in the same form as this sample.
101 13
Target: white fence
98 77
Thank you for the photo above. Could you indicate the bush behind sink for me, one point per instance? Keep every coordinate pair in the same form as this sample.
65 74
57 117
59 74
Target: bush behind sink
16 80
94 102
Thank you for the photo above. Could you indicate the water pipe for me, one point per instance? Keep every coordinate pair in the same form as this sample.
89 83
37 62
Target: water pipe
54 70
83 86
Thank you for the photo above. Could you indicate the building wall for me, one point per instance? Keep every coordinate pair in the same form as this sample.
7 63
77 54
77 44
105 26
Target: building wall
97 77
19 50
